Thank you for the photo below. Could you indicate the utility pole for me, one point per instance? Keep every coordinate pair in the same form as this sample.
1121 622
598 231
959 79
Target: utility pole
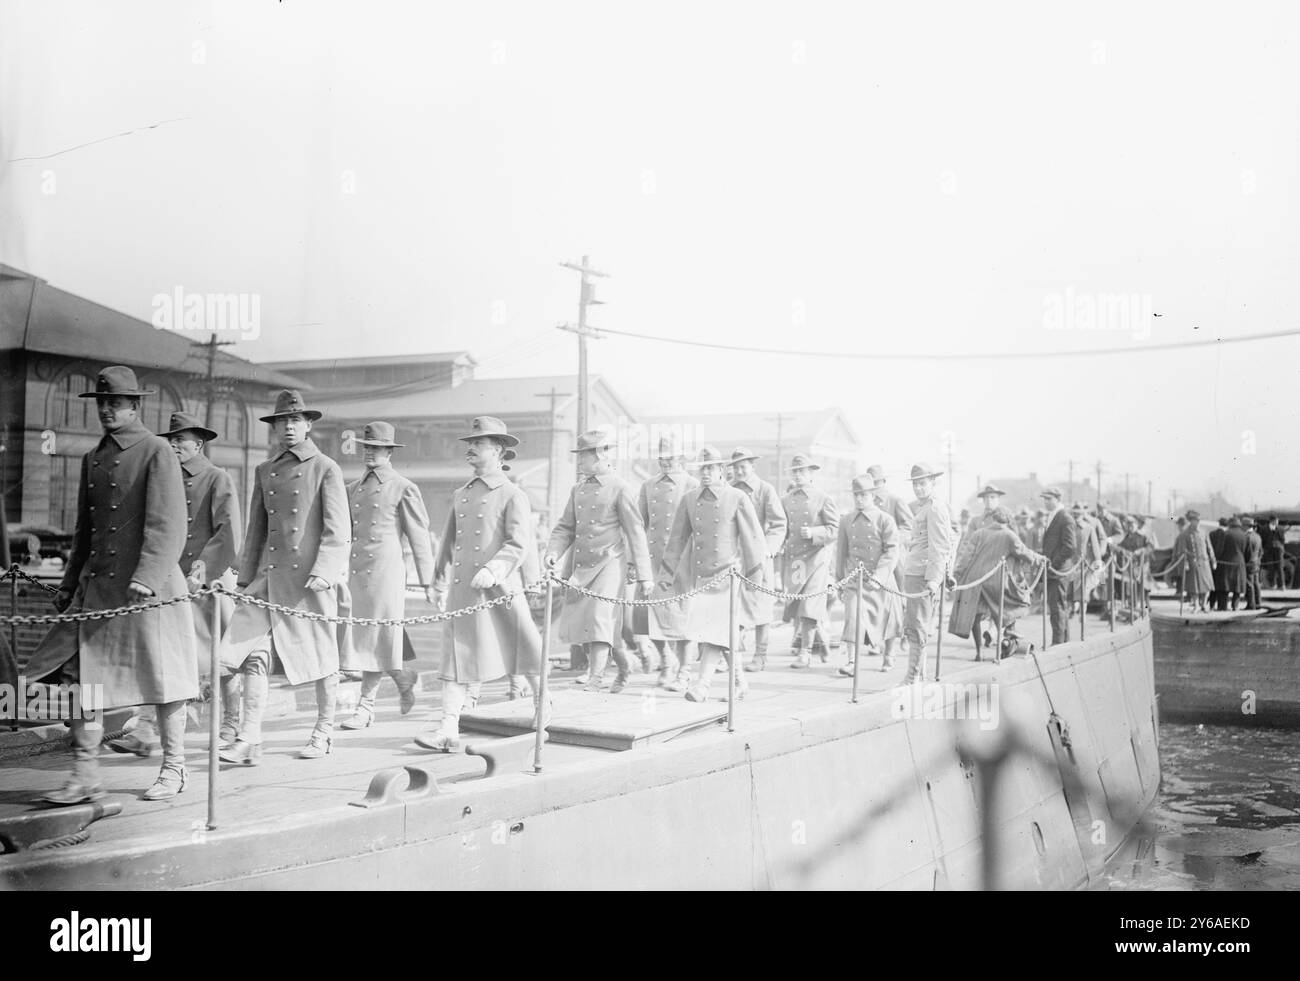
553 395
1098 481
951 475
211 345
1126 479
1149 511
1069 483
779 419
586 298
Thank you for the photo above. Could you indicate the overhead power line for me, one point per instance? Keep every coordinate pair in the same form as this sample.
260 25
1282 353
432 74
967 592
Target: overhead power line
947 356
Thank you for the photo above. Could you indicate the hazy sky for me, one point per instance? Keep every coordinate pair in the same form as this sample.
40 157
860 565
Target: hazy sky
393 178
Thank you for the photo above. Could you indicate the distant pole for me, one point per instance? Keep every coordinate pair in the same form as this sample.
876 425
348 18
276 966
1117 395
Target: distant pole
1069 484
211 345
779 419
1126 477
586 298
950 474
1098 481
1149 511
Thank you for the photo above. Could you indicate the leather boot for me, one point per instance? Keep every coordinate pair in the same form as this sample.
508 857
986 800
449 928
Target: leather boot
171 730
230 699
624 669
446 738
247 749
708 658
142 740
322 737
406 680
364 717
83 785
597 657
915 663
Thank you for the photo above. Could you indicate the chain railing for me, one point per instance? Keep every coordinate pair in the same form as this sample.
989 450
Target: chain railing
859 575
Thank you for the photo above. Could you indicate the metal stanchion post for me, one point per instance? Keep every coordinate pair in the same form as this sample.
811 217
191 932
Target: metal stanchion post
857 638
1047 572
1083 595
731 659
13 609
1182 590
1002 600
214 710
938 647
1110 591
542 695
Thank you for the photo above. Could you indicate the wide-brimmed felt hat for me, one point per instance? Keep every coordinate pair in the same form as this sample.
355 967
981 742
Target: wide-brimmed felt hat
709 456
920 471
490 426
991 491
1193 515
290 403
379 434
877 473
595 439
184 422
668 449
802 461
1050 492
116 379
742 453
863 482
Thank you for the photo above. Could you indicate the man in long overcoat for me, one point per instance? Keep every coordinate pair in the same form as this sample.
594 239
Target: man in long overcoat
715 528
601 533
1230 565
925 567
213 535
385 508
487 551
1196 574
126 550
868 536
1254 553
1061 546
807 556
896 508
771 515
295 555
1003 600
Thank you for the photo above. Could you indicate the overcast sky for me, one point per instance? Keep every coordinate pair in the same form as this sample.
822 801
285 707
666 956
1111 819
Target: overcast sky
394 178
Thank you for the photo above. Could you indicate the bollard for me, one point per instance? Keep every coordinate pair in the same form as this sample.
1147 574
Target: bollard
731 659
214 710
938 647
1002 597
542 695
857 638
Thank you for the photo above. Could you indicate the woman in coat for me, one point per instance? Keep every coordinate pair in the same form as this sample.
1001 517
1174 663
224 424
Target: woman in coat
487 551
989 546
385 508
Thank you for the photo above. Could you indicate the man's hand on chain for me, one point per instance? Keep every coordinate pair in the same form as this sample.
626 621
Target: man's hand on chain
483 579
62 600
138 592
644 588
316 584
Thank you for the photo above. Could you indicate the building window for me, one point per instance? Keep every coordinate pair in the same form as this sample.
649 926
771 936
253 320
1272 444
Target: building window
65 411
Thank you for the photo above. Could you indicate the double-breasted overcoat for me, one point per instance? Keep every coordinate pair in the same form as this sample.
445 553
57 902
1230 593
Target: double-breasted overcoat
1197 571
657 503
130 528
771 516
298 527
871 538
213 536
385 508
714 529
600 532
806 562
489 526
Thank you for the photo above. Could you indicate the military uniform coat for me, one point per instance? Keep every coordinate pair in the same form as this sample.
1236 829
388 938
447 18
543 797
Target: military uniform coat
658 502
1197 570
601 533
771 515
930 547
130 527
714 528
384 506
489 526
298 527
806 563
989 546
871 538
214 532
